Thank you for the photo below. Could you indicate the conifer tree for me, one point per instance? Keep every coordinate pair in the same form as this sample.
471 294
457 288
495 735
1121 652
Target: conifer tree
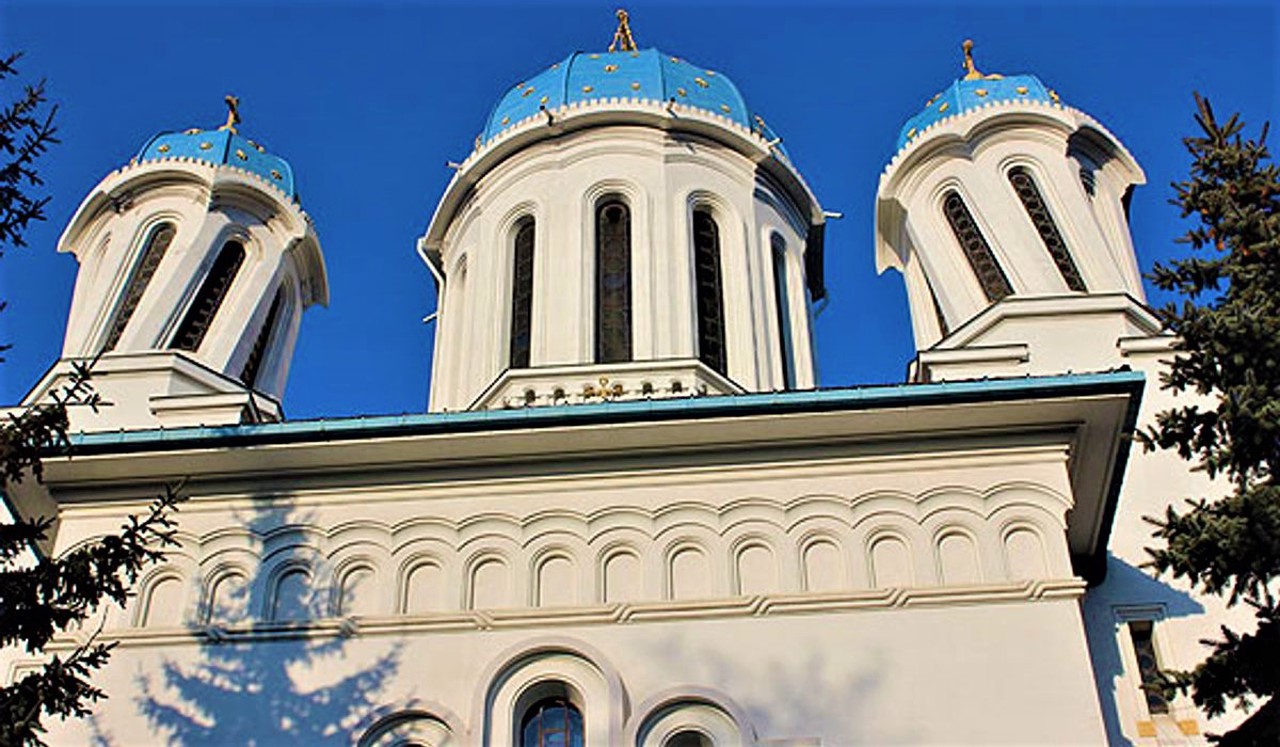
1228 325
42 596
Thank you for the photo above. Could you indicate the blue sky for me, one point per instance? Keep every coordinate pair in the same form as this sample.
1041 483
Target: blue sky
369 101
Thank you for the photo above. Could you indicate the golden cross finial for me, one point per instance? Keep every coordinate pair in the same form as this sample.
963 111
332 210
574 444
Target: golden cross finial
622 39
971 72
233 113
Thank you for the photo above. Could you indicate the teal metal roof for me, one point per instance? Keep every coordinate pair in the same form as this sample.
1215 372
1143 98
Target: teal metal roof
644 74
967 94
780 403
221 148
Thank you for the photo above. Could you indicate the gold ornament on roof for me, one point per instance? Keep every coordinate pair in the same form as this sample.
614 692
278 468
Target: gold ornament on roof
233 113
971 70
622 39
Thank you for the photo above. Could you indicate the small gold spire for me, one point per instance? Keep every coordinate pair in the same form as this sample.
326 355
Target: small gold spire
971 72
233 113
622 39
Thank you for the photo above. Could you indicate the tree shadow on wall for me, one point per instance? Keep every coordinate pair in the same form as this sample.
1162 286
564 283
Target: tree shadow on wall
265 673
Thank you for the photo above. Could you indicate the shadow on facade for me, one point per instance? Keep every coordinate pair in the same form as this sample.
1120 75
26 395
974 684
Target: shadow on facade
785 698
262 674
1131 589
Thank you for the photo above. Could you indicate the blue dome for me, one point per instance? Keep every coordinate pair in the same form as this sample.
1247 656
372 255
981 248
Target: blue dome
969 93
221 148
645 74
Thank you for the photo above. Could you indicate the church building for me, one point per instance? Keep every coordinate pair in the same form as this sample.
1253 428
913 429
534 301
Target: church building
631 515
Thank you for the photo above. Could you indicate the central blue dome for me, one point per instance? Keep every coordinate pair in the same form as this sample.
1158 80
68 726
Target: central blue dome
644 74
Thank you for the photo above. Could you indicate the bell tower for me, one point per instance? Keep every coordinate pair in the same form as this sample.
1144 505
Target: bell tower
1006 211
196 262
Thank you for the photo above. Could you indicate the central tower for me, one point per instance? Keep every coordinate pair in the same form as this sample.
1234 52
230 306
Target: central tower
625 227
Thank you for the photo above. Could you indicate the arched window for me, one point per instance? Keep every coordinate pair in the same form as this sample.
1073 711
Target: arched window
992 279
253 364
613 281
1032 200
551 722
152 252
710 296
522 294
782 307
688 738
212 291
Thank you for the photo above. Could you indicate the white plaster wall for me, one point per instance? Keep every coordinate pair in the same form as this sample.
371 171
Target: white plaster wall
763 586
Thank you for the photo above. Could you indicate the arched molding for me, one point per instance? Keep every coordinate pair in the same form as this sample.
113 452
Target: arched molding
387 720
418 563
148 585
1021 525
751 540
275 580
480 558
341 597
956 529
557 549
214 581
837 539
690 543
550 659
611 552
675 709
912 547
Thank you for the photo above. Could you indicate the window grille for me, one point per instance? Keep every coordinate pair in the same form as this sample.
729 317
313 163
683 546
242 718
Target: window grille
613 282
709 291
253 364
552 722
522 294
782 303
210 296
1148 666
1034 203
153 251
992 279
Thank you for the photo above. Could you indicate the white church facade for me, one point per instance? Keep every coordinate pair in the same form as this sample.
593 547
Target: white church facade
650 526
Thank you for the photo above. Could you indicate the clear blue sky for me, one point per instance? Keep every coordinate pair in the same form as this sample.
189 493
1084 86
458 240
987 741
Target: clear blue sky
369 101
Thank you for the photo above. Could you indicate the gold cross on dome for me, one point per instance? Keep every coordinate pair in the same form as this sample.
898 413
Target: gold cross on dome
622 39
233 113
971 71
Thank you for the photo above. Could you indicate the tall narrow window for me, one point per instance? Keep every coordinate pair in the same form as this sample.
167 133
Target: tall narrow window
782 303
613 282
253 364
212 291
992 279
553 722
152 252
710 296
1032 200
1148 666
522 294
